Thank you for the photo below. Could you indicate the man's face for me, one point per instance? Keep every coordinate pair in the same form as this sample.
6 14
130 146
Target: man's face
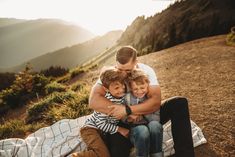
139 90
126 68
117 89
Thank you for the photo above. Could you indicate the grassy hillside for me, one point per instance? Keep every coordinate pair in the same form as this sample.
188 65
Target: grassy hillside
183 21
23 40
76 55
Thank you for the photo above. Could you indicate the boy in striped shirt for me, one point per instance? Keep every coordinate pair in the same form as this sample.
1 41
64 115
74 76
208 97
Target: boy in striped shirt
113 83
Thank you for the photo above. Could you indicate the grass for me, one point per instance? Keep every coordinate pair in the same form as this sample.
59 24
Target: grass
17 128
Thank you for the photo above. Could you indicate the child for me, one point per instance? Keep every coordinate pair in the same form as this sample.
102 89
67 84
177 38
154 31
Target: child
113 83
146 134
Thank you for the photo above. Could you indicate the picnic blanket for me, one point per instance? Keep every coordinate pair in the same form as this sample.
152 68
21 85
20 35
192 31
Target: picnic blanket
63 137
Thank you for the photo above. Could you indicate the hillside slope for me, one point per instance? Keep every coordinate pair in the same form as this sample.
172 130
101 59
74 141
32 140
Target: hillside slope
203 71
76 55
183 21
23 40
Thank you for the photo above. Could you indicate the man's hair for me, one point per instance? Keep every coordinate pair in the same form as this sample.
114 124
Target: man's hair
125 54
111 75
138 76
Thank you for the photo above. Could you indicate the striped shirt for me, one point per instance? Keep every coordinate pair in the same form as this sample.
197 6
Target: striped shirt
102 121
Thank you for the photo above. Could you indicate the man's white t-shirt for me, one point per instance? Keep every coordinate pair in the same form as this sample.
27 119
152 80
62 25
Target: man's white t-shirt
148 70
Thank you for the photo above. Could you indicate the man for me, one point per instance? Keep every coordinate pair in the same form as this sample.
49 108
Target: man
174 109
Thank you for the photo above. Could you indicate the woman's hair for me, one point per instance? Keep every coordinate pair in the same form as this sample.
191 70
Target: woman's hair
111 75
138 76
125 54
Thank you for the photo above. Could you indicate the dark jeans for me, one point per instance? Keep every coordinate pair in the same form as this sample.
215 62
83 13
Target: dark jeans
174 109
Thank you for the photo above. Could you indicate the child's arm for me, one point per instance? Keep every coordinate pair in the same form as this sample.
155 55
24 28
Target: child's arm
107 124
134 118
123 131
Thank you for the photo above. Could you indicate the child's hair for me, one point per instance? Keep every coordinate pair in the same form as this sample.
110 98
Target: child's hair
138 76
111 75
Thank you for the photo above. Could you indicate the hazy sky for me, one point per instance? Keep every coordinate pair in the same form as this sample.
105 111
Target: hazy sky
98 16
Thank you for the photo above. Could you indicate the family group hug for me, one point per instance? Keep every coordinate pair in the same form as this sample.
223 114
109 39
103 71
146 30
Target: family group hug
129 113
129 120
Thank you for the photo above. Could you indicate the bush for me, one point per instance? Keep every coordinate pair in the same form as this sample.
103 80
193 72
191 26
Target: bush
230 40
55 87
55 71
39 84
77 72
70 109
37 110
7 80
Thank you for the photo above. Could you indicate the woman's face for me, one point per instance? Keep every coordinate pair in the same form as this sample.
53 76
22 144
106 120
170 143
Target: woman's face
139 90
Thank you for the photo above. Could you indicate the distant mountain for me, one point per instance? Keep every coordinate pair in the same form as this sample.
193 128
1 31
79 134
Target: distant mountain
9 21
21 40
70 57
183 21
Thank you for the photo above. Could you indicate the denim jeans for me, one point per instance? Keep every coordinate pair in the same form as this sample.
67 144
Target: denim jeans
147 139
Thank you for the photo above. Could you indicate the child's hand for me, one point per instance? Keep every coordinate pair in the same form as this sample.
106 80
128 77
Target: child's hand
123 131
134 118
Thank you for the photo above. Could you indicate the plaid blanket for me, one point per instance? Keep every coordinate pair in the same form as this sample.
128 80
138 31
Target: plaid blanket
63 137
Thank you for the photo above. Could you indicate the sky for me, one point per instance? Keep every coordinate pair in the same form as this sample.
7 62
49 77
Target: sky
97 16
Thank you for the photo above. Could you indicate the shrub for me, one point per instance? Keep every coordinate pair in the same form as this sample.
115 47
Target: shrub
39 84
36 111
77 72
230 40
7 80
54 87
55 71
70 109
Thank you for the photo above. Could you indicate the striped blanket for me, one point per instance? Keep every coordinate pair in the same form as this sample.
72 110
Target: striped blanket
63 137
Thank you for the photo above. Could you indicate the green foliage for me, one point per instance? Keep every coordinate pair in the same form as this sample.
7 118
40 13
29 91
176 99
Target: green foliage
55 71
70 109
17 128
39 84
145 50
78 86
25 87
77 72
35 112
54 87
7 80
230 40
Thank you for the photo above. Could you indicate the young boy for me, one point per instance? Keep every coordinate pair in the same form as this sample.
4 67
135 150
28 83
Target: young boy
146 134
113 83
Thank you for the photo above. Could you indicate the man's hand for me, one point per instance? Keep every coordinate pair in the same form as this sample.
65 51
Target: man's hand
134 118
117 111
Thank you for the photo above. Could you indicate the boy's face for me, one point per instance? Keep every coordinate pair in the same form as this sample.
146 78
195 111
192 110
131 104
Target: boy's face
139 90
117 89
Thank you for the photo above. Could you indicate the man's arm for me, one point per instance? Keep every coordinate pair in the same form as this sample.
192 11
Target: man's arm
97 101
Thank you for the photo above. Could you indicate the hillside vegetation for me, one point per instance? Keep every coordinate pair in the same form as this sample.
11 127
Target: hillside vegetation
183 21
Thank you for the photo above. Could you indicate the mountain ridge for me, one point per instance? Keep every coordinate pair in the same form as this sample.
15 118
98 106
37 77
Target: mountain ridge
27 39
